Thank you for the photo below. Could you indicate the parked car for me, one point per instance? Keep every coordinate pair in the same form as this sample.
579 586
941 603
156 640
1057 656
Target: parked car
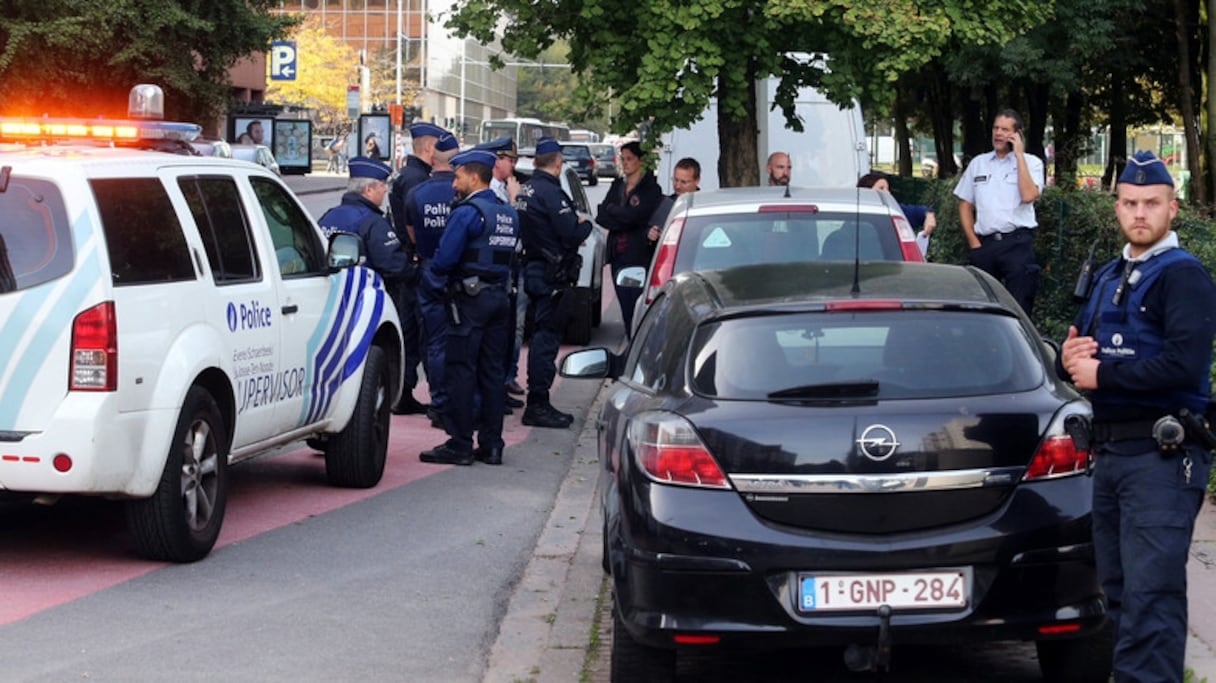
257 154
212 147
607 160
829 454
165 316
578 156
586 309
758 225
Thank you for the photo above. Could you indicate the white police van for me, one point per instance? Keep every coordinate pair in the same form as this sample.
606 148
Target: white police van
163 316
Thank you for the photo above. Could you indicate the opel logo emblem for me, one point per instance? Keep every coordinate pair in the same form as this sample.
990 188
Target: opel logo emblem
877 442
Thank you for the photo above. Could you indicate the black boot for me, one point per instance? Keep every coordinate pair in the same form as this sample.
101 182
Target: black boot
408 405
446 455
545 415
490 456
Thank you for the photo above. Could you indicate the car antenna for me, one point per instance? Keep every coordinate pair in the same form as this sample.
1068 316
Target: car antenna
856 243
787 191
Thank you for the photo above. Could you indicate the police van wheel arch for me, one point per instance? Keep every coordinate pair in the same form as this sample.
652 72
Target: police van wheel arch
354 457
581 318
181 520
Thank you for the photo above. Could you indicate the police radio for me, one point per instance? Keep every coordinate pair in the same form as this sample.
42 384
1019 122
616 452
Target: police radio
1085 280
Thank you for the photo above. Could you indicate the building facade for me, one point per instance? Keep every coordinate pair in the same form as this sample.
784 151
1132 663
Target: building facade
449 78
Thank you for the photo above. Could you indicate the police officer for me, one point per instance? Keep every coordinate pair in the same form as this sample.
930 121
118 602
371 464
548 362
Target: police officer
552 233
474 258
996 209
426 213
417 169
506 183
1142 347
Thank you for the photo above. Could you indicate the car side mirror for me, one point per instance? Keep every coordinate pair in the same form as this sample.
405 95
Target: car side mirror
345 251
633 276
595 363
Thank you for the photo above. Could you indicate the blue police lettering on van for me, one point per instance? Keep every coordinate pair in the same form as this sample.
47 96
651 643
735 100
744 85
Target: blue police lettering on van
248 316
270 388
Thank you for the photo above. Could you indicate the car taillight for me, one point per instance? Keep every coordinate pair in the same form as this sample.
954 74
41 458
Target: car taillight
664 259
1058 455
907 239
94 352
668 449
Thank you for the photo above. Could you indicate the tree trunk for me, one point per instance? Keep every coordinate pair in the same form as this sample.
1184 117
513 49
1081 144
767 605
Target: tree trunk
1211 134
903 149
976 136
1069 140
1186 99
1038 97
1116 157
739 161
941 108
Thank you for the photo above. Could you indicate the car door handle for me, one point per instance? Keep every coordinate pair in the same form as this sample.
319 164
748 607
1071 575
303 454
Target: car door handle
288 310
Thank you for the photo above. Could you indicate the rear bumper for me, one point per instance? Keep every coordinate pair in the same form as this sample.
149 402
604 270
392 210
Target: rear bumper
670 577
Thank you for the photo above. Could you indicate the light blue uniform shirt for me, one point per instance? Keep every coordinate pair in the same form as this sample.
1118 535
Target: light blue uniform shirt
991 185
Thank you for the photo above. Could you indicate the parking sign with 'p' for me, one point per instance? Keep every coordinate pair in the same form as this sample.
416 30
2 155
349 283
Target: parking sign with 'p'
283 60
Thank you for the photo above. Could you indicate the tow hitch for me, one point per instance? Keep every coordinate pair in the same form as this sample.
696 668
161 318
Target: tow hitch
877 657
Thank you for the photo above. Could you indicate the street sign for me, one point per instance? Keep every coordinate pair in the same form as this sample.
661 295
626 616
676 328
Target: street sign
283 60
352 101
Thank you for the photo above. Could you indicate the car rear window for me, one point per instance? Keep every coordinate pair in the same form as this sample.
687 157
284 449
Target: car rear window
35 237
143 236
726 240
863 355
576 152
605 153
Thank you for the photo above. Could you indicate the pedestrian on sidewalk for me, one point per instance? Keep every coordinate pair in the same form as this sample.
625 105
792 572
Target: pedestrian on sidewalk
1142 348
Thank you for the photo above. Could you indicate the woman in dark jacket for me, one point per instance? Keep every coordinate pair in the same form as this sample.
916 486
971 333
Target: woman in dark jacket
625 213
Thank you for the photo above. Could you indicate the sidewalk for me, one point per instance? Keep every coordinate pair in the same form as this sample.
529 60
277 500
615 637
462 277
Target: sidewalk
1201 594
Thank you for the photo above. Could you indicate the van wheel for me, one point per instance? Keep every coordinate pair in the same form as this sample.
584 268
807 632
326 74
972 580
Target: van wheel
354 457
182 518
633 662
593 180
1080 660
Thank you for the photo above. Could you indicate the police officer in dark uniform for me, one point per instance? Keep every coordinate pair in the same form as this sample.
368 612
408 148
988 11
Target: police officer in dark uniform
426 213
552 233
417 169
1142 347
474 258
361 213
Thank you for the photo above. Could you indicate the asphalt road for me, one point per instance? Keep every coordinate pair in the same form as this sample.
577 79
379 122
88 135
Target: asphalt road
404 582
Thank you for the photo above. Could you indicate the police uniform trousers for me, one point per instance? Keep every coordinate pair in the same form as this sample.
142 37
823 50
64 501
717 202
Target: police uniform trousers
432 312
411 333
548 321
1009 257
1144 514
475 364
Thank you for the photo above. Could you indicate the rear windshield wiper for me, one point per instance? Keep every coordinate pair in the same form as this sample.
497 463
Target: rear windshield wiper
829 390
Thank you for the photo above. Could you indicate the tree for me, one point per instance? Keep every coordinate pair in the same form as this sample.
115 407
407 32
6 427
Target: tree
664 60
326 66
552 92
83 57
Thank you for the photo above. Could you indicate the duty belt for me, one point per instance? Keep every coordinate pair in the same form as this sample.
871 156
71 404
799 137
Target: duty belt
1123 431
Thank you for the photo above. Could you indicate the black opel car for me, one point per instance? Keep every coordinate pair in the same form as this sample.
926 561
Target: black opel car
829 454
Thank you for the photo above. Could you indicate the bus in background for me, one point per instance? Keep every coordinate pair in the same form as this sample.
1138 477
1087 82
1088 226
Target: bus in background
584 135
525 131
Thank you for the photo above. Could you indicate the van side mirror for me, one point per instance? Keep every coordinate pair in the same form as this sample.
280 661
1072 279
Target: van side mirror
345 251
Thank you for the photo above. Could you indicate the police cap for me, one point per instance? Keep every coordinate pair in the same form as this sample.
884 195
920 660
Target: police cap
423 129
547 145
1146 169
475 156
503 147
446 142
366 167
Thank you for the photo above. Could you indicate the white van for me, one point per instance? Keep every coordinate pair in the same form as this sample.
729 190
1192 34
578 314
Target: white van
829 152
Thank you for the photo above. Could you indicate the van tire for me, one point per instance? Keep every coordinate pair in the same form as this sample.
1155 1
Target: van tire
354 457
1079 660
181 520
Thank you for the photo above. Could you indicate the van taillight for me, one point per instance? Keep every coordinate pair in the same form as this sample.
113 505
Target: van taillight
94 353
665 258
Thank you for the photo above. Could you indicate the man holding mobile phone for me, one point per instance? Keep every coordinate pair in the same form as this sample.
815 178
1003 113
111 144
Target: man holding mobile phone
996 208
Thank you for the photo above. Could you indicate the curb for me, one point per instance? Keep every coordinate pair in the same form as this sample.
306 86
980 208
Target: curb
544 635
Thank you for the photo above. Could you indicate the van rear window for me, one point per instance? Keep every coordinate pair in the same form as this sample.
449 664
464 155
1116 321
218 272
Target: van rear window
35 237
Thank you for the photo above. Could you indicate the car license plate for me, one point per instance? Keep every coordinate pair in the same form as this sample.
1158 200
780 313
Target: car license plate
926 590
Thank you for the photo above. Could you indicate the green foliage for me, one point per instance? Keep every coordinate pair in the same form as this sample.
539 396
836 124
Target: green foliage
81 58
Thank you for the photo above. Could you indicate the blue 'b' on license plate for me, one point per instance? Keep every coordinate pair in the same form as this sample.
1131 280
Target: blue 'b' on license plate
808 593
